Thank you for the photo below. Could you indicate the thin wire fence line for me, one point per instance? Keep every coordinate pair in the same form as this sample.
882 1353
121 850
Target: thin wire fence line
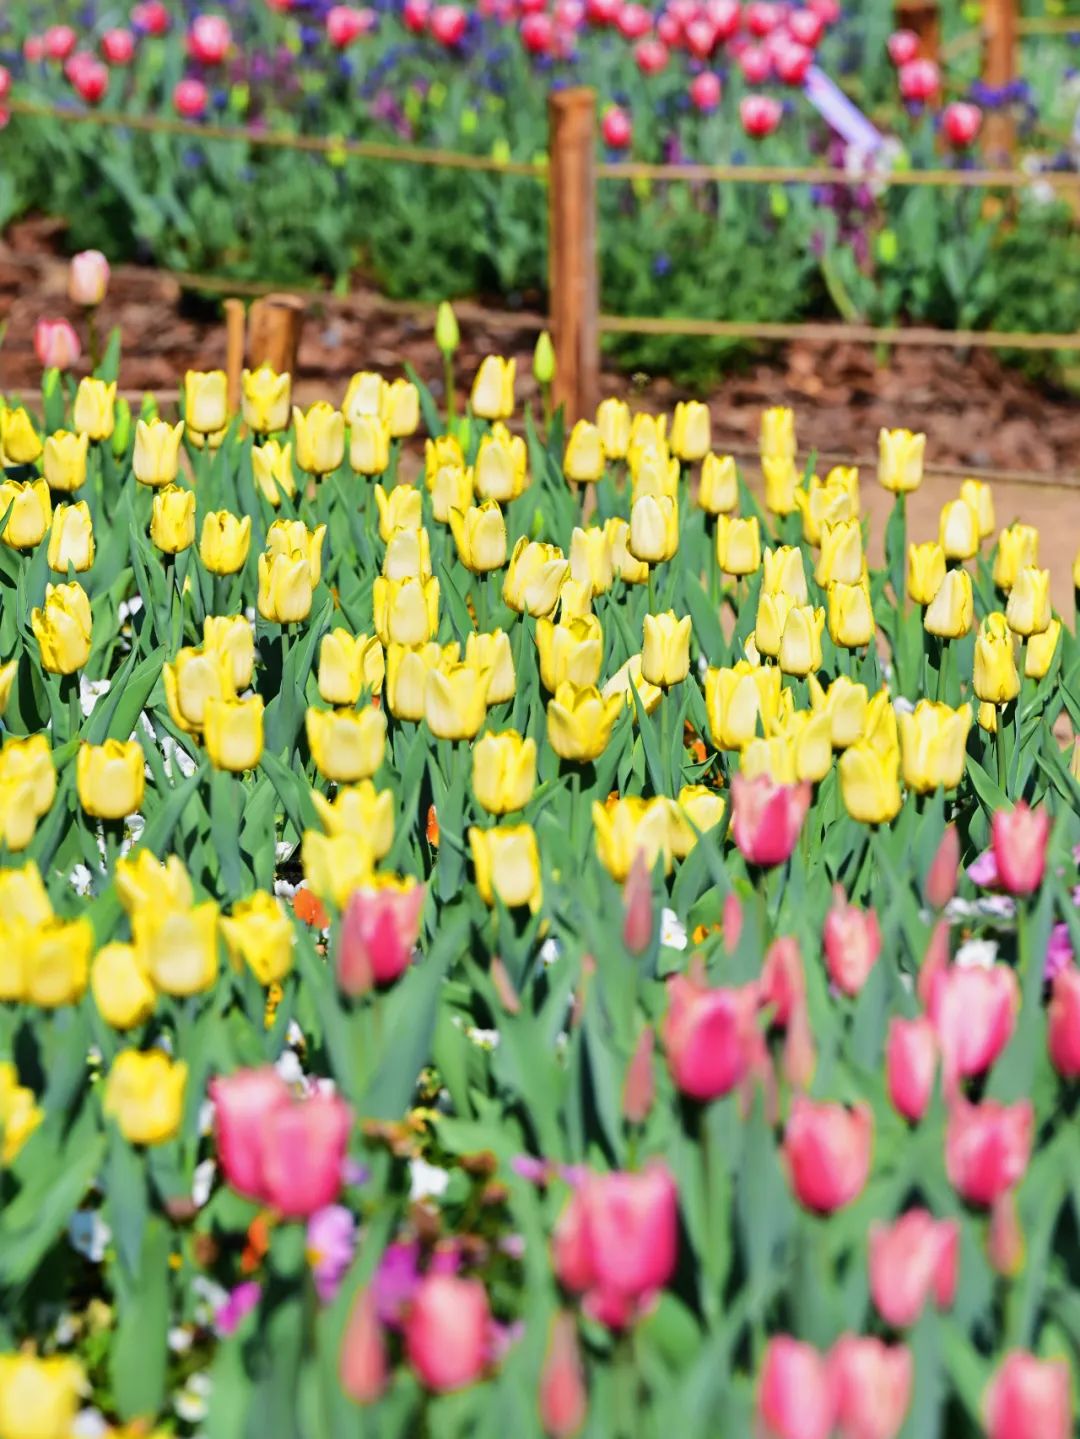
818 332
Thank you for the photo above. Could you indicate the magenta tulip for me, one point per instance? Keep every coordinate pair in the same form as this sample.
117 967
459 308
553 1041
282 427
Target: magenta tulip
118 46
243 1103
872 1384
920 81
910 1061
1018 838
190 99
709 1036
209 39
911 1259
1063 1036
1029 1398
448 1332
796 1397
827 1150
616 128
379 931
302 1150
961 123
987 1147
767 817
973 1011
706 91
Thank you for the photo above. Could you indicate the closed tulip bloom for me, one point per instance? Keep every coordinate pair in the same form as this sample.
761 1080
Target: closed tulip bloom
177 947
94 414
613 422
320 438
110 778
56 956
870 783
709 1036
400 508
654 529
583 460
563 1398
233 732
910 1260
580 721
910 1062
781 484
844 703
155 459
499 472
777 436
442 452
64 461
507 864
630 827
361 810
379 932
480 536
718 487
448 1328
695 811
630 570
408 555
122 992
369 445
144 1093
851 615
1017 549
784 573
193 678
626 680
504 771
665 654
285 537
987 1148
1019 838
1063 1034
336 865
30 760
1029 1398
534 577
737 698
285 587
772 612
71 540
455 700
39 1398
828 501
492 652
900 460
925 572
260 935
1041 650
767 817
841 556
7 682
932 743
346 745
872 1384
973 1011
18 820
348 665
88 278
493 388
172 523
852 943
591 558
996 679
28 507
800 643
691 430
206 406
271 464
364 396
19 441
223 547
796 1396
655 474
153 883
62 628
980 497
266 399
738 544
1028 609
951 612
451 489
827 1152
958 533
406 611
407 670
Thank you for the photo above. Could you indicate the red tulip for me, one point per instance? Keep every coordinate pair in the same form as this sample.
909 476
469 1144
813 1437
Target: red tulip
59 41
379 931
903 46
118 46
700 38
190 98
709 1036
910 1061
651 56
152 16
767 817
616 128
920 80
827 1150
872 1384
762 18
414 15
1029 1398
683 11
1018 839
852 940
806 27
448 1332
345 23
362 1364
88 278
88 76
634 21
941 877
563 1396
910 1259
961 122
791 62
706 91
973 1011
209 39
602 12
448 24
726 16
243 1103
987 1147
537 33
756 66
796 1398
56 344
1064 1032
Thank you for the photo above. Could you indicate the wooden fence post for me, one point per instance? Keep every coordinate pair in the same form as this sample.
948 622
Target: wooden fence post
999 70
572 270
234 351
274 326
924 18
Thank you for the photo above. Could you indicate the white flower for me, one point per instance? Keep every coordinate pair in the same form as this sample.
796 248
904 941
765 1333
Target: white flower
89 1234
672 930
90 691
290 1069
903 706
126 608
283 889
425 1181
81 880
89 1424
180 1339
550 951
483 1038
202 1181
977 954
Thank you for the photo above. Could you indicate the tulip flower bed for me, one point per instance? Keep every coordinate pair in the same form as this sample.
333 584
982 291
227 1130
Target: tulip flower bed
503 931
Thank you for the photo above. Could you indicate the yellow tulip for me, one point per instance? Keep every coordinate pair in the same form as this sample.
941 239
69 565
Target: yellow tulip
206 403
575 601
259 934
271 465
172 524
958 533
62 628
94 414
504 771
493 388
348 665
987 717
406 611
695 811
122 992
400 508
407 668
346 745
926 571
335 865
952 610
900 460
718 488
665 653
572 650
828 501
39 1398
778 432
1040 651
223 547
369 445
285 587
583 459
506 861
851 615
286 537
30 512
233 732
177 947
64 461
212 441
19 441
362 810
29 762
630 570
628 678
23 898
8 672
844 703
480 536
110 778
784 573
400 408
440 453
738 544
631 826
932 742
155 459
654 528
800 644
500 469
233 637
144 1093
737 699
20 1115
647 432
691 430
580 721
800 749
1028 609
656 475
71 540
880 730
870 783
980 497
191 680
492 652
781 484
266 399
613 422
56 958
364 396
451 489
1017 549
455 700
534 577
591 558
145 881
841 556
407 555
320 438
996 679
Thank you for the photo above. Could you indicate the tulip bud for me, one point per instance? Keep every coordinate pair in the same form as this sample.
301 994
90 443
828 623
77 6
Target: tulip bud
172 523
910 1061
1063 1036
640 1088
447 334
951 612
260 935
346 745
144 1093
1029 1398
563 1396
583 459
795 1398
987 1147
493 388
691 430
19 441
223 547
504 771
110 778
506 861
1019 839
56 344
233 732
362 1367
379 931
638 907
1028 609
872 1386
544 359
852 940
71 540
718 488
940 883
911 1259
62 628
900 460
738 544
123 994
1017 549
447 1332
709 1036
613 422
88 278
266 399
1005 1240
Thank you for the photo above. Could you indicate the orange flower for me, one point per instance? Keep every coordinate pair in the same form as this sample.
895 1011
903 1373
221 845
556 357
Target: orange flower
432 827
257 1246
308 908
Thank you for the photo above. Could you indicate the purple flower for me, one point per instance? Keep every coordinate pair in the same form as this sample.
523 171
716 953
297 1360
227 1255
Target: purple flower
527 1166
1059 952
395 1280
229 1316
984 871
331 1242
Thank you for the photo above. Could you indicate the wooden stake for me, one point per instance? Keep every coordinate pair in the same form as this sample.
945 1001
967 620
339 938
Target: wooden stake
924 18
274 328
999 70
572 275
234 351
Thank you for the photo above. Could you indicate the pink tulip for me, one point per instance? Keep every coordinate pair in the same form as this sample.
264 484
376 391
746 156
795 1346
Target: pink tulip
669 29
651 56
59 41
961 123
448 1331
601 12
935 962
301 1153
852 939
1063 1036
726 17
616 128
344 24
638 907
88 278
190 98
796 1397
756 66
88 76
209 39
1029 1398
414 15
910 1061
700 37
783 984
56 344
118 46
634 21
34 48
706 91
243 1103
791 61
806 27
910 1259
973 1011
828 11
640 1087
762 18
537 34
448 24
920 81
872 1384
362 1364
152 16
827 1150
903 46
709 1036
5 83
987 1147
1005 1240
379 931
563 1396
731 922
767 817
1019 838
940 884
